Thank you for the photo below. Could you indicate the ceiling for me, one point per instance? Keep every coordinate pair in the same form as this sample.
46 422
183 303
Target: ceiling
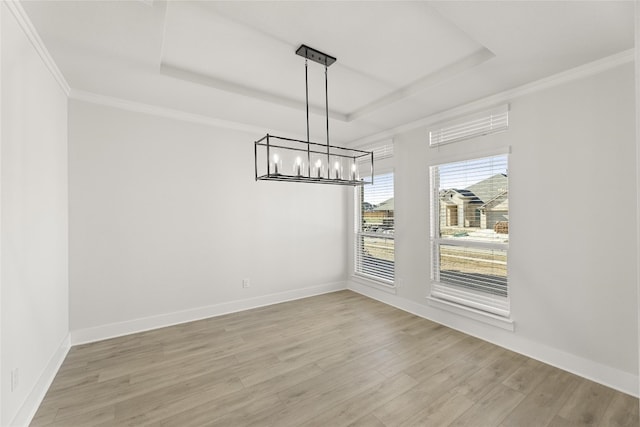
397 61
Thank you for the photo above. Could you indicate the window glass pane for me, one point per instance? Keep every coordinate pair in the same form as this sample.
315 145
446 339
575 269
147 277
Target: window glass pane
477 269
374 239
375 256
377 205
474 199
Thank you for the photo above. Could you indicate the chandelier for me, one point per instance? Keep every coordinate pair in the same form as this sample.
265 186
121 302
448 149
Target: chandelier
292 160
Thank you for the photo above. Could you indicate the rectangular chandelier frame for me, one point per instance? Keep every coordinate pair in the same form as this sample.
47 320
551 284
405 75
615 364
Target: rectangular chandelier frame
286 159
294 160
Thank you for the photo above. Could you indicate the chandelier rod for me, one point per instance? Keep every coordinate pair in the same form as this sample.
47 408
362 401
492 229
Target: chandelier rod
306 84
326 109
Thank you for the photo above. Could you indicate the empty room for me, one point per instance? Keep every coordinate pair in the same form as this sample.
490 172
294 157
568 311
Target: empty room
198 223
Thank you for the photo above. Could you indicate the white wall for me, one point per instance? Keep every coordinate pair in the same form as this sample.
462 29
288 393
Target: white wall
34 238
167 219
573 255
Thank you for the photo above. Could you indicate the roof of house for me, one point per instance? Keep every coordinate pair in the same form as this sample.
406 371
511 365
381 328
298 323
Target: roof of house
464 192
499 203
488 189
468 194
387 205
472 198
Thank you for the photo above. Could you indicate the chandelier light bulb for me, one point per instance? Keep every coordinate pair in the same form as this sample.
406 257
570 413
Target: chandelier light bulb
276 163
298 167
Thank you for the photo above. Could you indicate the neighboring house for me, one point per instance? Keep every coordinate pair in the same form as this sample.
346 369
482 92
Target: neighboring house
489 188
495 210
459 208
386 206
481 205
380 216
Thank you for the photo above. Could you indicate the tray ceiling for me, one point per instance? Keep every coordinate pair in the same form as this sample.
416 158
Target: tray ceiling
396 61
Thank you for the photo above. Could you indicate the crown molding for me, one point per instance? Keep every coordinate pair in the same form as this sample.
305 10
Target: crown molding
15 6
139 107
564 77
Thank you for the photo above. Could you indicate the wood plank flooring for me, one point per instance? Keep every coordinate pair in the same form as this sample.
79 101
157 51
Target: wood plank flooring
338 359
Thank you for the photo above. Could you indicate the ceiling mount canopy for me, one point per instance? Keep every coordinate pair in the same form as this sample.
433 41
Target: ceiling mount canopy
286 159
315 55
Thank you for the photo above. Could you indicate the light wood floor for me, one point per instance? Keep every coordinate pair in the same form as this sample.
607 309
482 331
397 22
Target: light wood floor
332 360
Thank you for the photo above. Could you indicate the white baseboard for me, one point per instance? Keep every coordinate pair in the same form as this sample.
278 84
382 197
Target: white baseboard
594 371
112 330
31 404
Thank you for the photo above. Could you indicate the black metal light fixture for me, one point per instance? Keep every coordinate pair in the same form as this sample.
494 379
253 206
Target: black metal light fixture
285 159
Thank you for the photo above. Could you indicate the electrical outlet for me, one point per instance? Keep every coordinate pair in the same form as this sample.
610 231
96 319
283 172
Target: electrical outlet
246 283
14 379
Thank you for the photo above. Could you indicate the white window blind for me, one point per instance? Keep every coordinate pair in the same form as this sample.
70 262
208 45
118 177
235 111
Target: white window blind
374 239
484 123
382 156
382 151
470 233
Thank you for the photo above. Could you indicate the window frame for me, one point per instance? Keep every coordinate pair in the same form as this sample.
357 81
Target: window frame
449 294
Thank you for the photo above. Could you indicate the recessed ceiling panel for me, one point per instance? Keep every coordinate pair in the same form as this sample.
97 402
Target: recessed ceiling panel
382 48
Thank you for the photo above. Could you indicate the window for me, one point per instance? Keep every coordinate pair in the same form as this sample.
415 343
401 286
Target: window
374 229
470 233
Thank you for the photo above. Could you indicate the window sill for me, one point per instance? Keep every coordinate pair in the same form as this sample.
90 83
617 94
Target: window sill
471 313
384 286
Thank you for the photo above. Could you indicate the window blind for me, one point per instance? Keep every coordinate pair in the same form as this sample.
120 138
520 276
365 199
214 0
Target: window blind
484 123
470 233
382 151
382 155
374 240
